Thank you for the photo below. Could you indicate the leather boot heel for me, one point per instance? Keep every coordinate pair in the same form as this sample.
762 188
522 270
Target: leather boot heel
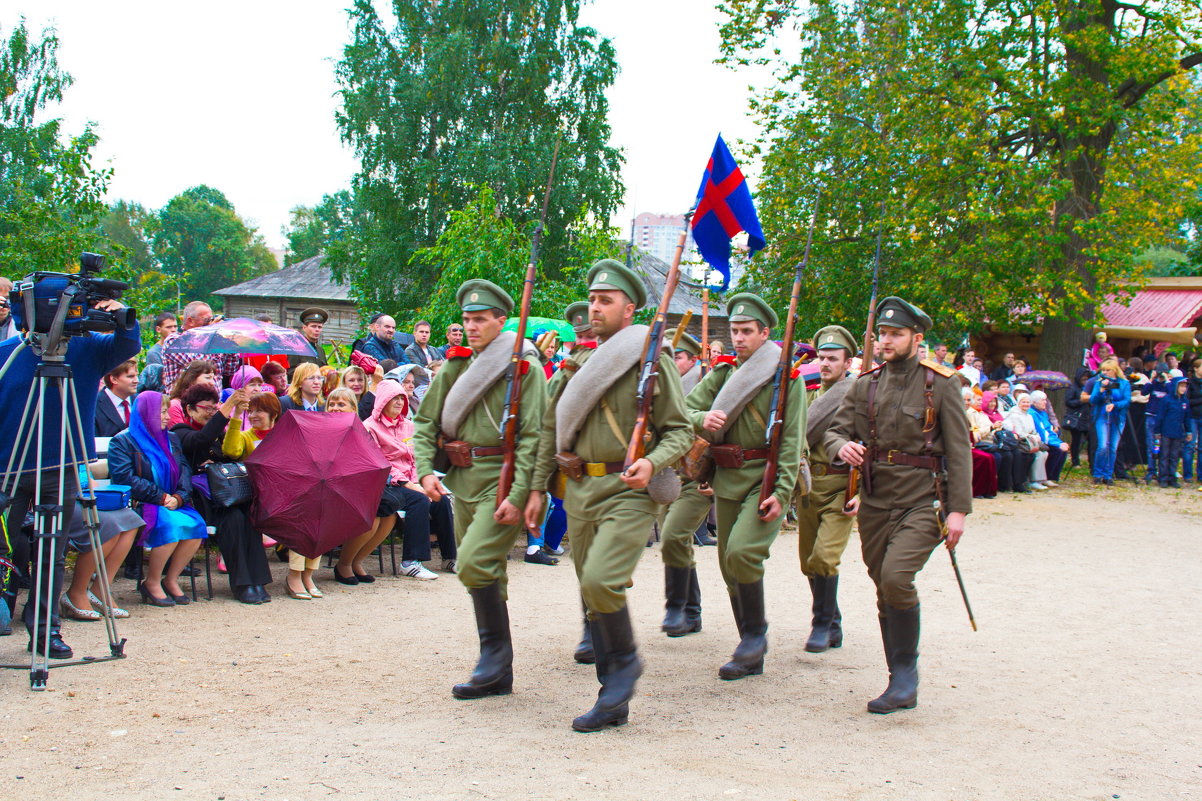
597 718
733 670
494 669
467 691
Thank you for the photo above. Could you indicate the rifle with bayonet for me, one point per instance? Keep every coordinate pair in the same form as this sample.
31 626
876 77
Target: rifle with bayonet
782 381
511 417
651 349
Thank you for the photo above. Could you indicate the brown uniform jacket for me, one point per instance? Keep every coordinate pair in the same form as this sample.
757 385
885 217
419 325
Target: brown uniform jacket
900 412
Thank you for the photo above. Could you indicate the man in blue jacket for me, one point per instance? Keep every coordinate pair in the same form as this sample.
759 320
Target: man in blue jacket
1172 426
90 357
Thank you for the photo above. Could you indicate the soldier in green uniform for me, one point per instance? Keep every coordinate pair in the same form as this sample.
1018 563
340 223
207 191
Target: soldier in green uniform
313 320
588 424
903 425
461 416
731 407
823 527
682 609
577 316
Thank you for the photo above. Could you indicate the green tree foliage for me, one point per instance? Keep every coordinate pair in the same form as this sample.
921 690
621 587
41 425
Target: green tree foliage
124 237
201 240
458 94
1023 151
480 242
51 197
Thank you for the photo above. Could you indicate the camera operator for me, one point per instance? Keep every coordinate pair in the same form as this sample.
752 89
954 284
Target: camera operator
7 327
90 356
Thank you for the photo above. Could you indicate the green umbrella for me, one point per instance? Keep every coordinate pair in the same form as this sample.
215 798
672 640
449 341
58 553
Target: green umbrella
536 325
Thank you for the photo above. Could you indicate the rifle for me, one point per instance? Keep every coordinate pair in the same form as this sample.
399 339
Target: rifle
510 419
783 379
867 363
655 339
684 323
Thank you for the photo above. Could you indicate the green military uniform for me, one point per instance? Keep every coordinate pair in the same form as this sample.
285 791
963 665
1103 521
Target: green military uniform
822 528
744 540
681 520
607 520
483 543
311 315
897 519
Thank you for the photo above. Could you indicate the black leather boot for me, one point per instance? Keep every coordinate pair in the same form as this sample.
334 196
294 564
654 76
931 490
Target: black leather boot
584 649
748 658
900 629
618 670
825 631
692 608
494 671
676 590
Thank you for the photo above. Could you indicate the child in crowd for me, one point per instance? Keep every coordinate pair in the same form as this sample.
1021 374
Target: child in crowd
1171 426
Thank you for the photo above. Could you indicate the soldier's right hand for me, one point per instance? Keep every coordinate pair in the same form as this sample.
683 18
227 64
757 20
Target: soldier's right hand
534 511
714 420
433 488
852 453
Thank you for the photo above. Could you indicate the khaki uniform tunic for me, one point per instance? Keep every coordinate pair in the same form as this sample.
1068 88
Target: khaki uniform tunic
744 540
483 543
608 522
822 528
898 527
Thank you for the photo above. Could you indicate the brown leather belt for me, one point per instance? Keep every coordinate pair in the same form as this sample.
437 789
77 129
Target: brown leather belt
909 459
756 453
480 451
819 469
598 469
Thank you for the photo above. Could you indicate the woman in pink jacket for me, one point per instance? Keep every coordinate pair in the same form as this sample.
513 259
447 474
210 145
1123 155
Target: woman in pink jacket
392 430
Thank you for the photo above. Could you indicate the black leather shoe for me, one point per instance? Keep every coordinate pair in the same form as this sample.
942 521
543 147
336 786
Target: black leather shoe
365 578
540 558
147 598
58 648
190 571
264 596
349 581
247 595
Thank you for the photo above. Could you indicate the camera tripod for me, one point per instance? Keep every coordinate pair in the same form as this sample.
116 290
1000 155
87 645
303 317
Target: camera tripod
52 372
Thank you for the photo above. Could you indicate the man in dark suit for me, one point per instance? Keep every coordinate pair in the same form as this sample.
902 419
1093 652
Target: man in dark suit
115 402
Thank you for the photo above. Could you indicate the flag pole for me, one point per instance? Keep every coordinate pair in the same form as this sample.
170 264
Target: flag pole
705 327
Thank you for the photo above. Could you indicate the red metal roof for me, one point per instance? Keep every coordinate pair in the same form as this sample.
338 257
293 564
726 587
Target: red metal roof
1156 308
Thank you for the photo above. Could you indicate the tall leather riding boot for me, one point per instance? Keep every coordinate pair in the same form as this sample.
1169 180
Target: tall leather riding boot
692 607
584 650
676 588
618 670
824 631
494 671
748 658
900 628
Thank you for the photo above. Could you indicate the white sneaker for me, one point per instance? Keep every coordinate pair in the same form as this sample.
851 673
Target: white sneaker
449 566
417 570
1050 484
1036 486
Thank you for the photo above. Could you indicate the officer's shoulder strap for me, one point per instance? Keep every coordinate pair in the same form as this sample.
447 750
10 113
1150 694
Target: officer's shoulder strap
941 369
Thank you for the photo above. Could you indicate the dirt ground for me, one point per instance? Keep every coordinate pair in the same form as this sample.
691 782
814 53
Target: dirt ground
1083 683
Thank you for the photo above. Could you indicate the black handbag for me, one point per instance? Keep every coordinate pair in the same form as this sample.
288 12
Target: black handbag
1072 421
229 485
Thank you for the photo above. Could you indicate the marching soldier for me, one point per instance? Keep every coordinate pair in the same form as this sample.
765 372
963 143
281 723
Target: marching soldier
588 424
682 610
730 407
823 528
577 316
460 418
313 320
903 425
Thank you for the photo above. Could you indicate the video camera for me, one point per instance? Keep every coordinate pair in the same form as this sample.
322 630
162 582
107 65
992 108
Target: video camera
37 298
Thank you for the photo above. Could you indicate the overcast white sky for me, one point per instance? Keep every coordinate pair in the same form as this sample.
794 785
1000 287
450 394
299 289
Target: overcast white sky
240 96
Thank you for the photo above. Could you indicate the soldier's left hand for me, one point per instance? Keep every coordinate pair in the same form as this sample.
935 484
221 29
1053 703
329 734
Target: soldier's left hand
507 514
955 529
638 475
770 510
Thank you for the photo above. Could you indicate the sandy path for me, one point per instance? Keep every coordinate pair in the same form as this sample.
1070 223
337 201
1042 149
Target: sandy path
1082 684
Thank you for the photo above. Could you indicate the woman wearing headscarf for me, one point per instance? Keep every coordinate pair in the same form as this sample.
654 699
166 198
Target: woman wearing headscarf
245 377
392 430
1020 423
984 468
1109 399
1011 467
151 462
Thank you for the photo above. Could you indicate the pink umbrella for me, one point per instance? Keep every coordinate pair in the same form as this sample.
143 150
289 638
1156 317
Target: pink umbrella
318 479
242 335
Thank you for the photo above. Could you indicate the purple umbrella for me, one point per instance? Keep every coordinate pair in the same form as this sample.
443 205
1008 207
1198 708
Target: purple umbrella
242 335
318 479
1045 380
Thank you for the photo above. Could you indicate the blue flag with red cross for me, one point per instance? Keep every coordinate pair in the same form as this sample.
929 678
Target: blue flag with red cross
724 208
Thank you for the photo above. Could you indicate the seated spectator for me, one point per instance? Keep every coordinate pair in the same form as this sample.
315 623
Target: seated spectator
382 343
275 375
357 381
1057 449
984 469
261 412
196 314
330 379
547 345
408 376
151 378
245 377
391 428
114 403
1012 465
118 530
304 393
150 461
1005 397
165 324
1020 423
1109 399
201 370
1004 370
201 438
342 400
